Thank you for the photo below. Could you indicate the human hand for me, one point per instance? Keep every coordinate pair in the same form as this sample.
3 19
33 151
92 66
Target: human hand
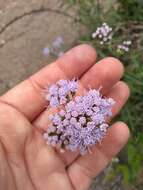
26 161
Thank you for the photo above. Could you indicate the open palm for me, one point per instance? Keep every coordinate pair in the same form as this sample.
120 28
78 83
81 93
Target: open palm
26 162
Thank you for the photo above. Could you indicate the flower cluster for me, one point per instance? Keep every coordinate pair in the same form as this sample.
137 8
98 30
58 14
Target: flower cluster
61 92
55 48
124 46
80 123
103 33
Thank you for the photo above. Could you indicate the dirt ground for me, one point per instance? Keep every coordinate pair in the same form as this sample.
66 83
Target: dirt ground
26 27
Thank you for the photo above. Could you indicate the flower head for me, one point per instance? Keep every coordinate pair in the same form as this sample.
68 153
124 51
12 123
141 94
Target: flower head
58 42
81 123
103 33
61 92
124 47
55 48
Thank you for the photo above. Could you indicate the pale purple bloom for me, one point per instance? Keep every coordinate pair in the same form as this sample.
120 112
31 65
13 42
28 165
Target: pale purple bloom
73 121
81 138
103 127
81 123
58 42
124 47
62 113
56 119
73 85
70 106
51 129
53 90
67 115
66 122
46 51
103 33
78 99
74 113
54 101
89 112
82 120
98 118
62 82
55 48
61 92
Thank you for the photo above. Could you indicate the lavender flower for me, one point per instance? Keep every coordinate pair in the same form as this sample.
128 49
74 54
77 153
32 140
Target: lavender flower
103 33
61 92
58 42
55 48
124 47
46 51
81 123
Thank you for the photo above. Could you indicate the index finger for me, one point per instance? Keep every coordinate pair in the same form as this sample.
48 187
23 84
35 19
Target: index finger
27 98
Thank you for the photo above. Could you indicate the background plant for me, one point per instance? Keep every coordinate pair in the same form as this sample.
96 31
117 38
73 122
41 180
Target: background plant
126 19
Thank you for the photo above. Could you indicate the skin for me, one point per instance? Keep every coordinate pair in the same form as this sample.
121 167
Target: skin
26 162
